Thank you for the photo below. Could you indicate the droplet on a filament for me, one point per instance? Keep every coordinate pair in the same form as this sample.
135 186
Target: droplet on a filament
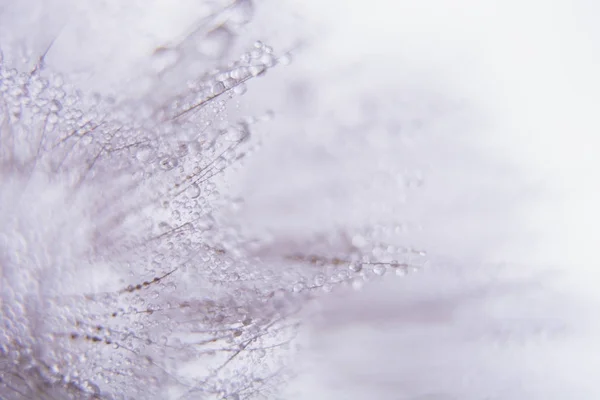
193 191
168 163
379 269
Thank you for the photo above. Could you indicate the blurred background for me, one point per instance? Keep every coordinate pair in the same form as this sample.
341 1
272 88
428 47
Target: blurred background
468 126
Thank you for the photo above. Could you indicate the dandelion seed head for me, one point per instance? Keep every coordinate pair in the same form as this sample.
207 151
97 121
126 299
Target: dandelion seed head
111 288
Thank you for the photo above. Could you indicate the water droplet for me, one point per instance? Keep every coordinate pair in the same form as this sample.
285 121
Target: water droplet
218 88
145 154
240 73
319 280
52 118
193 191
298 287
229 83
379 269
240 89
168 163
261 353
220 164
268 60
357 284
355 267
92 388
256 54
257 70
359 241
55 106
238 132
57 81
245 58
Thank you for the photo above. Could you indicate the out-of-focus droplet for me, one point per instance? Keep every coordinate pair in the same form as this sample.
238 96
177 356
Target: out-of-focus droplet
240 73
217 88
379 269
355 267
319 280
55 106
257 70
359 241
240 89
216 43
240 13
238 132
52 118
164 58
357 284
168 163
268 60
57 81
145 154
298 287
229 83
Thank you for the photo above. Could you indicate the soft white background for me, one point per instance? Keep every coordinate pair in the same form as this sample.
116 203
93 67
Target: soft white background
524 143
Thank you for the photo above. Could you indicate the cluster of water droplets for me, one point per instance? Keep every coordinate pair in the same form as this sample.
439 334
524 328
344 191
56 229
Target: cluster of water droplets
202 310
152 173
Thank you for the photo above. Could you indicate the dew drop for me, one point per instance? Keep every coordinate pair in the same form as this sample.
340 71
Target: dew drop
229 83
357 284
240 73
193 191
238 132
52 118
168 163
145 154
216 43
257 70
55 106
261 353
218 88
355 267
240 89
298 287
319 280
268 60
285 59
379 269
